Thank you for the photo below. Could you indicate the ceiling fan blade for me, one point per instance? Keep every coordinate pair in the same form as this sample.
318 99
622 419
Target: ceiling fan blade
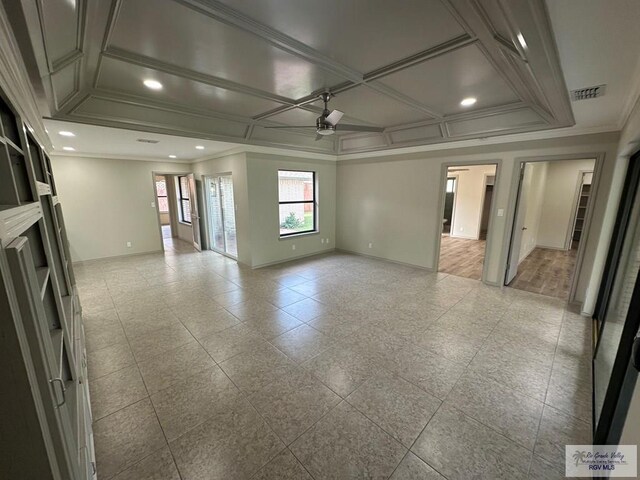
358 128
319 137
334 117
292 126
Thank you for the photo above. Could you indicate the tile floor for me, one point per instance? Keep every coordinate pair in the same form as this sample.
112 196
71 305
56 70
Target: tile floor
333 367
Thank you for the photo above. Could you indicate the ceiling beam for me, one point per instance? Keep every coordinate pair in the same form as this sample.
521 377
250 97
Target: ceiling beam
443 48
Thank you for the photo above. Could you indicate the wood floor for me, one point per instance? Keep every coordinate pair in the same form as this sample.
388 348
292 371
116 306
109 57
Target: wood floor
547 272
461 257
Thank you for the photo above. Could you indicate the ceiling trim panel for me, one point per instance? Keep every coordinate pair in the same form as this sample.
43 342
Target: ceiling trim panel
223 13
144 61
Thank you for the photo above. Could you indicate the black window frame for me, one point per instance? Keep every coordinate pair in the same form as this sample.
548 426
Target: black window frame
314 228
181 199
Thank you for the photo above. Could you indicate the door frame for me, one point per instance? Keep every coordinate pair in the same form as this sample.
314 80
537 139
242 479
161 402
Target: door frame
155 200
510 214
484 197
576 204
453 207
208 211
441 198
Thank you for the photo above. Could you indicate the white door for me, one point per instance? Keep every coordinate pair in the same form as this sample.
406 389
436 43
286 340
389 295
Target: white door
195 217
518 228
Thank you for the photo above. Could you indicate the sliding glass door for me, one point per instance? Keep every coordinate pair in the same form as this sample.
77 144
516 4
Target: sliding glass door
222 214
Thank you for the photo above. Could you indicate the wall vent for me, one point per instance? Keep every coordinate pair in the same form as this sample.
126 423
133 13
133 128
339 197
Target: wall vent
588 93
147 140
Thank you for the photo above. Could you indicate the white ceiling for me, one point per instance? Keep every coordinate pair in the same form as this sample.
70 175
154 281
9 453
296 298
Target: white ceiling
92 140
598 44
230 68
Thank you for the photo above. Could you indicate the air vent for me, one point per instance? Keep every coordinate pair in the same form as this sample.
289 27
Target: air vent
146 140
588 93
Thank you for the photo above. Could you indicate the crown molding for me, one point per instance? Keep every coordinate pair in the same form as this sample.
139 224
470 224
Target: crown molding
108 156
497 140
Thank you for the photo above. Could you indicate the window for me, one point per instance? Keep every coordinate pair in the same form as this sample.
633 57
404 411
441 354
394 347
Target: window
183 199
161 189
297 202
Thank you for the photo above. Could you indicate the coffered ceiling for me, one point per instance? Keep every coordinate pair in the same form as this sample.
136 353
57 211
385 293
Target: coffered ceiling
228 68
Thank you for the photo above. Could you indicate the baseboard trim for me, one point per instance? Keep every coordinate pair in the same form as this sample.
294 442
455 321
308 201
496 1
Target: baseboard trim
113 257
562 249
290 259
397 262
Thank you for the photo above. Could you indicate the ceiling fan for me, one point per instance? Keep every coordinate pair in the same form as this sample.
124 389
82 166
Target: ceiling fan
327 123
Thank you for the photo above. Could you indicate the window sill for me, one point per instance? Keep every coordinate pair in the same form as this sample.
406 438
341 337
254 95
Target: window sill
298 235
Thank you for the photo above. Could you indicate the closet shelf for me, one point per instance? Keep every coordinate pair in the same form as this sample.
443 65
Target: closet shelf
14 220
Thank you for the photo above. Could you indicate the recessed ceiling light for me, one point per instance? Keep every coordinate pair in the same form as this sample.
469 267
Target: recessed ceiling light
153 84
69 149
65 133
173 156
199 147
467 102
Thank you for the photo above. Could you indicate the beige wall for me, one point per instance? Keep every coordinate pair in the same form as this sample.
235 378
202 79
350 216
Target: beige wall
531 200
266 245
108 203
395 202
560 200
469 199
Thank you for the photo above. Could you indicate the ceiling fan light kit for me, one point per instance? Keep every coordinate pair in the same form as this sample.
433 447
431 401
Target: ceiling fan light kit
327 123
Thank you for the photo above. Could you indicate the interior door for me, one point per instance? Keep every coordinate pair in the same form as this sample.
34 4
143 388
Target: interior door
518 228
195 217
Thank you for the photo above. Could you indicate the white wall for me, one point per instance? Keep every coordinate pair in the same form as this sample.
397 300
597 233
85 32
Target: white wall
107 203
395 201
560 200
469 200
266 245
531 199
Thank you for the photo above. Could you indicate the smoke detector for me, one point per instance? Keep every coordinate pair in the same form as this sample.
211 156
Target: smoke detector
588 93
147 140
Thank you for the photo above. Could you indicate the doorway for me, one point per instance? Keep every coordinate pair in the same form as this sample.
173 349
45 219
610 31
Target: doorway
162 200
221 214
177 210
449 201
468 196
552 212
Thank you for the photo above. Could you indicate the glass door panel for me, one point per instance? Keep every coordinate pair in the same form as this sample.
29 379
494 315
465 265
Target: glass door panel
216 235
228 215
222 218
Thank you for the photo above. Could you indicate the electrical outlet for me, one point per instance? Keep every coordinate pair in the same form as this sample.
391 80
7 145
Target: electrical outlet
501 212
293 247
327 240
370 245
128 244
153 204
